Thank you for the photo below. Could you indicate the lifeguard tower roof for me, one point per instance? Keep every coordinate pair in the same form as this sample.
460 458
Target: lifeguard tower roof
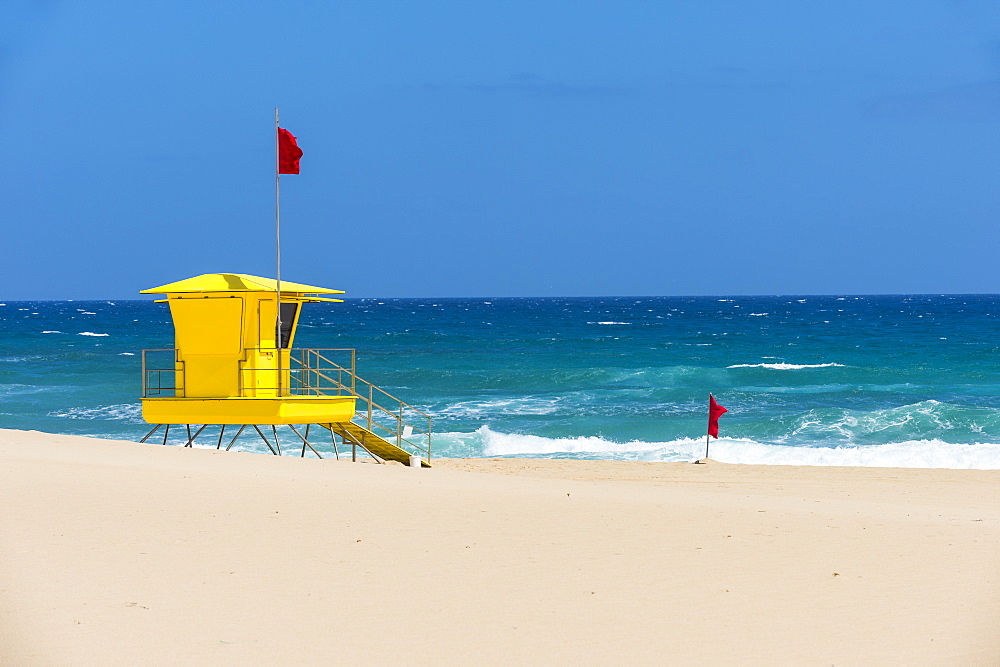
237 282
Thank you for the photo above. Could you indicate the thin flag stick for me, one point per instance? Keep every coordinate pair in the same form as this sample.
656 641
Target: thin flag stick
714 412
277 241
709 430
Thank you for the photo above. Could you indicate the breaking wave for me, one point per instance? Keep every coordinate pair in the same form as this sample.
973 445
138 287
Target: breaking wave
786 367
904 454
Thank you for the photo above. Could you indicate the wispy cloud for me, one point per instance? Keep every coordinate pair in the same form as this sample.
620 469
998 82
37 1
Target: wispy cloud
529 84
976 102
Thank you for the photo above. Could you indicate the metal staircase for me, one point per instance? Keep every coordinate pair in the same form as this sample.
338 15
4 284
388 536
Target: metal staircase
384 425
380 447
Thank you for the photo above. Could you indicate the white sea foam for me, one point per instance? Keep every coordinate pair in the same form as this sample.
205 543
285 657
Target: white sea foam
927 418
10 390
45 332
609 323
126 354
785 367
91 333
758 314
504 444
529 405
127 412
906 454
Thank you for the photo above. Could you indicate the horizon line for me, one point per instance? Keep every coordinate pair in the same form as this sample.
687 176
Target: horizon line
606 296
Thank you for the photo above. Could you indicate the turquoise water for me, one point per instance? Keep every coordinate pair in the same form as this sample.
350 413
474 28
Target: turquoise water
849 380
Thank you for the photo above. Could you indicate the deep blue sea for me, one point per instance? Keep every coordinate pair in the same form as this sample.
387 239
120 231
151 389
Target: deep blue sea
825 380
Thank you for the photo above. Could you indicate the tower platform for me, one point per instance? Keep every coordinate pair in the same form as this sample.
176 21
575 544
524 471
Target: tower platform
239 410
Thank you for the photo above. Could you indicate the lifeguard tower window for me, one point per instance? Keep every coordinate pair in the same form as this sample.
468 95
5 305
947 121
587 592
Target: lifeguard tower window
208 326
288 313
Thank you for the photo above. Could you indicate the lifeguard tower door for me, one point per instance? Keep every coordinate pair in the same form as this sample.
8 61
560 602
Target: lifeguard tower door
260 376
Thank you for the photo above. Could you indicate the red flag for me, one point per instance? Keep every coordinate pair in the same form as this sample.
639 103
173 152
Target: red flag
288 152
714 412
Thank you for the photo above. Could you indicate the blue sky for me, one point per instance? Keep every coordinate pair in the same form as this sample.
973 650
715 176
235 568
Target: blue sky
503 148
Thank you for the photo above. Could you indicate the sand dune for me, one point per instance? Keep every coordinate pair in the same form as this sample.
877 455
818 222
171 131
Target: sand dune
119 553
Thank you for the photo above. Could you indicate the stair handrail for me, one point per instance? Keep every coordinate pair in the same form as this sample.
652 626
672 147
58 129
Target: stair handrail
367 415
311 368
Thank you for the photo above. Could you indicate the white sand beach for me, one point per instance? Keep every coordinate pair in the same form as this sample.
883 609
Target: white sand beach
118 553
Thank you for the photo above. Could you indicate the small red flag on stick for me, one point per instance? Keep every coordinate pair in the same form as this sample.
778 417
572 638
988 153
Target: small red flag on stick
288 152
714 412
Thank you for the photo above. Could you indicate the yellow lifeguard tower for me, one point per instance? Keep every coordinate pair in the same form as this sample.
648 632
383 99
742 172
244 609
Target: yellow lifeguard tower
231 366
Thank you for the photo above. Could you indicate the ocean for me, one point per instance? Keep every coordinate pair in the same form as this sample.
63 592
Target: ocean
812 380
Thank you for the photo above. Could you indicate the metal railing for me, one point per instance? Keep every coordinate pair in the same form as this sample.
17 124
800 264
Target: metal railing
308 372
311 372
393 419
162 374
303 372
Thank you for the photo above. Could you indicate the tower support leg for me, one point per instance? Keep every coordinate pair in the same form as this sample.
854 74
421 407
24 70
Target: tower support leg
190 442
354 449
274 429
235 438
150 434
261 434
305 442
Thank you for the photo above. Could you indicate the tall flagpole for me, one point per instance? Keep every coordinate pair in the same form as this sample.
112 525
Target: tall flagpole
277 241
